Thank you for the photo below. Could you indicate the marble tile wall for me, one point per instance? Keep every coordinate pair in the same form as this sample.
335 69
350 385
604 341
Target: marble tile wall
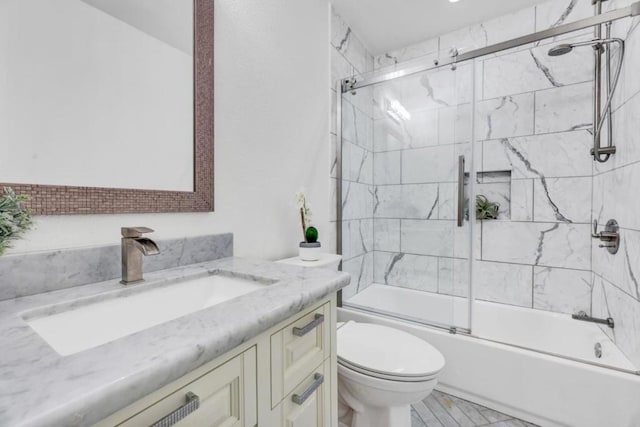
540 17
533 121
532 124
416 242
349 57
616 292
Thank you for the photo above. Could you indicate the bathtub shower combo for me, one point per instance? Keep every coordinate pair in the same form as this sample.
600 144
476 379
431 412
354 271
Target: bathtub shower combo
471 212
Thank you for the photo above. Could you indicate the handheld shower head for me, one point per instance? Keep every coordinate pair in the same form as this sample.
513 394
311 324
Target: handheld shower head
565 48
561 49
599 115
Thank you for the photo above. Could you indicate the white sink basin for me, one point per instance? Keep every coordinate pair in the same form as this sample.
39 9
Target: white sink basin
95 324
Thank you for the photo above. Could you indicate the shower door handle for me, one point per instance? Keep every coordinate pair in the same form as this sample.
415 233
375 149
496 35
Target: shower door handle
460 191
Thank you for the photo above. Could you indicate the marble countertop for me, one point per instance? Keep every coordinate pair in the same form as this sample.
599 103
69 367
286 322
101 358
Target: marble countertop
38 387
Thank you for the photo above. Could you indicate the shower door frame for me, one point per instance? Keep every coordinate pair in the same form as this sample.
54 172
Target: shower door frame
383 76
342 88
349 84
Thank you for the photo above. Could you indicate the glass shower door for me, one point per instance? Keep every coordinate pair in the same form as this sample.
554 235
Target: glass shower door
538 264
413 211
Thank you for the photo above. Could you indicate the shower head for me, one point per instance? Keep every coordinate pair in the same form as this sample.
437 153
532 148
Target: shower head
565 48
561 49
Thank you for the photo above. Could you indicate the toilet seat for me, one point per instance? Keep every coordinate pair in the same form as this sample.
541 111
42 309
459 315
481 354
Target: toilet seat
387 353
384 375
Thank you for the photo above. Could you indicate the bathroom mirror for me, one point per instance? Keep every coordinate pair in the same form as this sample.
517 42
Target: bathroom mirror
106 106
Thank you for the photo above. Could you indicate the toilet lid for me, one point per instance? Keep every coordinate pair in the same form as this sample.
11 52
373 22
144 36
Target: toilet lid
387 351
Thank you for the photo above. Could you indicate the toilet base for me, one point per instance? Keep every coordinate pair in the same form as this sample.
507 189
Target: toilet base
396 416
353 412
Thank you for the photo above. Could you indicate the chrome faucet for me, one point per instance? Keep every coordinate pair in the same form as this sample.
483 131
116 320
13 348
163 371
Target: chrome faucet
134 246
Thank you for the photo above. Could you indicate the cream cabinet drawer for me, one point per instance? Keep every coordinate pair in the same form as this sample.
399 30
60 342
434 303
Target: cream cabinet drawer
226 397
297 349
309 403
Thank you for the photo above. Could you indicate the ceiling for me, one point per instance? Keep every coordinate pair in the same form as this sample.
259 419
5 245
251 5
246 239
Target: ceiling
170 21
385 25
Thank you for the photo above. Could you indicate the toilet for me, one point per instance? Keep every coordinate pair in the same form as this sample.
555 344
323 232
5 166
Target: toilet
381 370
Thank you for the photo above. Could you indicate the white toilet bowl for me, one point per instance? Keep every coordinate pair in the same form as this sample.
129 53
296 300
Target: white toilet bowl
381 372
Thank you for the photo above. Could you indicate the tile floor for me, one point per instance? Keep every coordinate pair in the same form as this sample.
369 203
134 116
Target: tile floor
444 410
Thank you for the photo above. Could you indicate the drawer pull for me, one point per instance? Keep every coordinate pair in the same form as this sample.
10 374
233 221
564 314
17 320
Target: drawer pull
301 398
309 326
193 403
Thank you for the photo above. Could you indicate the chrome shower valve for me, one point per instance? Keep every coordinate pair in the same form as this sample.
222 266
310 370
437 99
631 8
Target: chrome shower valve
610 236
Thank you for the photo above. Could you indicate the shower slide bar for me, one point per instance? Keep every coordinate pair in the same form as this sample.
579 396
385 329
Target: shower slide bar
350 84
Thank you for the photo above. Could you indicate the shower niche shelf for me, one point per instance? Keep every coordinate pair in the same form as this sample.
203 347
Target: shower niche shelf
496 187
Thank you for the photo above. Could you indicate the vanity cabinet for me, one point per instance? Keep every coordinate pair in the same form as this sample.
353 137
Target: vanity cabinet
315 410
284 377
224 397
297 350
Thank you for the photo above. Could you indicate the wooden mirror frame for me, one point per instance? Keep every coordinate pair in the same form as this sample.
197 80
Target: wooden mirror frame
69 200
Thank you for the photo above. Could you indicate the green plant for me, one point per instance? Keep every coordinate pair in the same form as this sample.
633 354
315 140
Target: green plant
486 209
305 215
311 235
14 218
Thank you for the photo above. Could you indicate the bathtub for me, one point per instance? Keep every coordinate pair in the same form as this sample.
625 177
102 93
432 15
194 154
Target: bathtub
552 386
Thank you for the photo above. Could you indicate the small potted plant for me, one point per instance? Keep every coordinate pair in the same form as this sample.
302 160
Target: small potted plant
14 218
310 248
486 209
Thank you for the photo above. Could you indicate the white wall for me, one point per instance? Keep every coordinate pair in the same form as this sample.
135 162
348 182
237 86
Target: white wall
168 20
271 126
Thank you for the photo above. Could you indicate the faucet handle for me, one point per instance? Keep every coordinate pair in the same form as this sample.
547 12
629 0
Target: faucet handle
595 233
135 231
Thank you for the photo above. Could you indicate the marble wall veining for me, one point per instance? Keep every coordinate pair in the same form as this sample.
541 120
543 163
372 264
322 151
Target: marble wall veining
532 124
533 133
616 292
350 57
536 18
416 242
